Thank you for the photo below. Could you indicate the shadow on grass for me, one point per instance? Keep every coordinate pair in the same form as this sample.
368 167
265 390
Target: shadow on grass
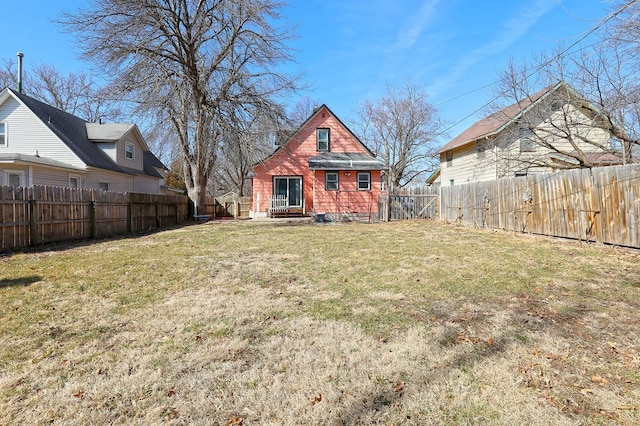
469 343
22 281
58 246
376 404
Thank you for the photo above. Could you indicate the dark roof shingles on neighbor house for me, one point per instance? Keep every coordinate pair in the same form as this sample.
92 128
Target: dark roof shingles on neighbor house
72 131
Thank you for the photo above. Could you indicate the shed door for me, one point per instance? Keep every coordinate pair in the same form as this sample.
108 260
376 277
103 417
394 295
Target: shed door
291 187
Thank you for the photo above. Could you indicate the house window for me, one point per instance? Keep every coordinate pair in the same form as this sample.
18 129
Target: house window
3 134
128 150
74 181
451 183
104 186
527 144
449 158
364 181
14 178
521 173
322 139
480 149
331 181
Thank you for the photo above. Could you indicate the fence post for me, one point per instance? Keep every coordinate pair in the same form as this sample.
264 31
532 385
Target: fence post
92 217
129 215
33 221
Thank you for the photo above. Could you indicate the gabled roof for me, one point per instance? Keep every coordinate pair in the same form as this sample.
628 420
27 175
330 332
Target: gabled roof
433 177
345 161
79 135
107 132
498 121
316 112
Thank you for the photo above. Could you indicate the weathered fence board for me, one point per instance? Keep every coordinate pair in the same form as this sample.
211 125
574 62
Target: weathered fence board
599 204
14 217
40 214
412 203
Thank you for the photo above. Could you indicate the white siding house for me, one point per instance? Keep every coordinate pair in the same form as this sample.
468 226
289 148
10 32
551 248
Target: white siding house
42 145
524 138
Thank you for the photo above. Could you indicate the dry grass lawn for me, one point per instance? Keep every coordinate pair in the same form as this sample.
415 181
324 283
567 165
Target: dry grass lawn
408 323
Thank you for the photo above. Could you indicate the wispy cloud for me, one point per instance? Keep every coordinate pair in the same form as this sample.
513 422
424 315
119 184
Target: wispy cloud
508 34
409 35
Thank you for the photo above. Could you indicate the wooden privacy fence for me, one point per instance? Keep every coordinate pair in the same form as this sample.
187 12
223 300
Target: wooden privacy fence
42 214
226 206
600 204
412 203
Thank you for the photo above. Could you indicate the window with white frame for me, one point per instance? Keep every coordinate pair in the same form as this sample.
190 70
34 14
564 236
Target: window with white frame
104 186
14 178
364 181
129 150
322 139
74 181
331 182
3 134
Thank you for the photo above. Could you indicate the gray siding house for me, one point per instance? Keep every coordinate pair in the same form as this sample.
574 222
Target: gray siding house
526 138
42 145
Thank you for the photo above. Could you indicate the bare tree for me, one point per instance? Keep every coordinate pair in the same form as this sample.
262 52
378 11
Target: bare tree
76 94
302 110
251 138
572 111
8 74
188 64
401 128
593 116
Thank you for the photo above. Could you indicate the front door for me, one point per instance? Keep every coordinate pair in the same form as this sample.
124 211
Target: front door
291 187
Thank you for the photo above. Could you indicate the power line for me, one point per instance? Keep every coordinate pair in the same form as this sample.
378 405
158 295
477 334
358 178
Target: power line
538 68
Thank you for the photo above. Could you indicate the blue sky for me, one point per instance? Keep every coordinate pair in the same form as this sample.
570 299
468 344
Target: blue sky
351 49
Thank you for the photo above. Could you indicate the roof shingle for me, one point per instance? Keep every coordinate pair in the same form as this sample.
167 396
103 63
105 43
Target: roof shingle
497 121
78 134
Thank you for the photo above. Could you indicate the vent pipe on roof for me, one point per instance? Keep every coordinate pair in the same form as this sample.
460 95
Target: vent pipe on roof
20 56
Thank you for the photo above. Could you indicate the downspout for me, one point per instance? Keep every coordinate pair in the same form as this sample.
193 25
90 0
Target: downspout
20 56
313 194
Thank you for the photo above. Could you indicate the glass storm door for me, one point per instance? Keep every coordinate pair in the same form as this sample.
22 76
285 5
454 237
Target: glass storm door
291 187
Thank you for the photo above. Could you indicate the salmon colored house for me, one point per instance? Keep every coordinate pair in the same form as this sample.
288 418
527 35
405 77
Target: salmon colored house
323 170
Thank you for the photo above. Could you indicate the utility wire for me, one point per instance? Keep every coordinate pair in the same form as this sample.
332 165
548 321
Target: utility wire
538 68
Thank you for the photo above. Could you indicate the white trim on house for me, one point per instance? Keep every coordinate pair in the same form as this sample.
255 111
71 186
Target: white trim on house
78 180
8 173
367 181
129 149
4 139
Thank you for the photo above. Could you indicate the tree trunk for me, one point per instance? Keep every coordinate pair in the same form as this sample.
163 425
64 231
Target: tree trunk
196 183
